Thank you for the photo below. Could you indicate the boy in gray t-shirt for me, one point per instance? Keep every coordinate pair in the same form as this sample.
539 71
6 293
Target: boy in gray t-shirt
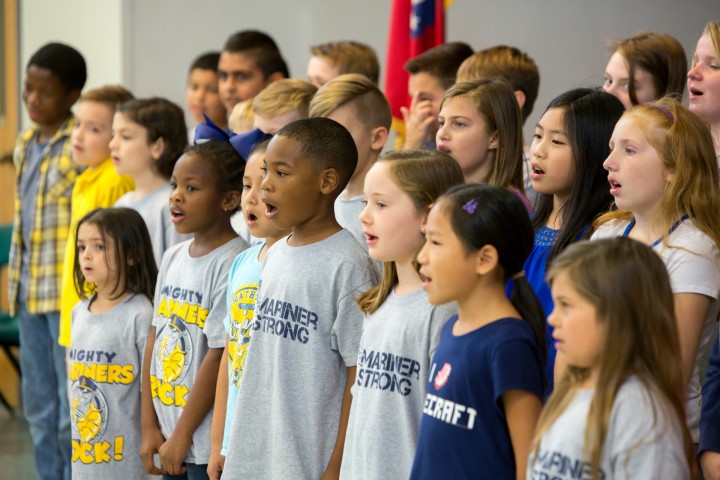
294 400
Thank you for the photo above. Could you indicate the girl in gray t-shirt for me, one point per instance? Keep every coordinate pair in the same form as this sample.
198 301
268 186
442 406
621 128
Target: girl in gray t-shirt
115 274
621 389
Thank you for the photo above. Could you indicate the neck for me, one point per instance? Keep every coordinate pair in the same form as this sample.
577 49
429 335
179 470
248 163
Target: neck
481 173
146 183
269 242
648 226
104 301
554 221
214 237
486 303
592 379
355 186
321 226
715 130
49 131
408 278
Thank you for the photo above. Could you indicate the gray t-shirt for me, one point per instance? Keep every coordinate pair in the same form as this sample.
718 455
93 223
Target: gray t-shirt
29 184
347 213
643 440
104 364
306 333
189 311
397 345
154 208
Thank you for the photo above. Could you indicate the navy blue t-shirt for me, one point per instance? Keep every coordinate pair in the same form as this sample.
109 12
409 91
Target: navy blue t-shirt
463 432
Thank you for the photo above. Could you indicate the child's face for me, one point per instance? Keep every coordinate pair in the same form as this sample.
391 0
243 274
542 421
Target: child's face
579 335
390 221
638 179
704 81
131 152
239 78
291 187
196 203
96 257
320 71
448 272
274 124
92 133
423 87
368 141
202 96
463 135
252 206
553 169
617 78
45 97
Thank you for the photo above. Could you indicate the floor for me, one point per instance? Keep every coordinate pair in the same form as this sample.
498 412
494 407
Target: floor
16 458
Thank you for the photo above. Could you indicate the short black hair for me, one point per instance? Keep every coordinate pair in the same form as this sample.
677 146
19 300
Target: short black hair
227 164
326 143
261 48
162 119
442 62
206 61
64 62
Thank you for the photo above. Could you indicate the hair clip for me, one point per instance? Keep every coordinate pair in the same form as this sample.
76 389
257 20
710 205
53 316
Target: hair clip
470 206
666 112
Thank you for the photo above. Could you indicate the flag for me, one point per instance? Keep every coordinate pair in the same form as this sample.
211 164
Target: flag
415 26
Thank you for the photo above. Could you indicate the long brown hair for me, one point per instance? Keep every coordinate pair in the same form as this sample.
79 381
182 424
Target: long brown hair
628 284
423 175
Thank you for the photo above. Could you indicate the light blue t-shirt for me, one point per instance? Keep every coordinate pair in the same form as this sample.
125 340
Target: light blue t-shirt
243 281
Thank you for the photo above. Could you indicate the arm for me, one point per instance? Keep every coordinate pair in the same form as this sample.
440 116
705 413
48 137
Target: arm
690 312
709 448
420 123
152 438
333 469
217 461
522 410
199 403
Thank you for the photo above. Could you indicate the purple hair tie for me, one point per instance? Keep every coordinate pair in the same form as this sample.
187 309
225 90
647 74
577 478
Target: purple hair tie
666 112
470 206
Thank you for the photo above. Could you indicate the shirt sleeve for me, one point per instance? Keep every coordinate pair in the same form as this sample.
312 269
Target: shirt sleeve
516 365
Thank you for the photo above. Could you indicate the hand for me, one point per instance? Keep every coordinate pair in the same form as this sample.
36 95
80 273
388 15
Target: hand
420 123
710 464
173 453
151 442
216 464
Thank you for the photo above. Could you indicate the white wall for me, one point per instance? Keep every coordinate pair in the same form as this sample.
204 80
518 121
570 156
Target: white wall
94 28
149 44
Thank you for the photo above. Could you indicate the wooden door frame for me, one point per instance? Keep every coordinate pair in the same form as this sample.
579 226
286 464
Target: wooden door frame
10 90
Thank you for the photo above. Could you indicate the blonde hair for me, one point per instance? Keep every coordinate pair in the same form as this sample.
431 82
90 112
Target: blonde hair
110 95
242 117
371 106
684 144
284 96
496 103
423 175
508 63
350 57
712 30
629 287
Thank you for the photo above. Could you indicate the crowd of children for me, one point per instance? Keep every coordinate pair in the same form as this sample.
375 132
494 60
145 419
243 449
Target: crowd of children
280 299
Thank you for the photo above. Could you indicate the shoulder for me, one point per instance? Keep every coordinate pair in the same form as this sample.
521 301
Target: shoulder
638 409
610 229
688 237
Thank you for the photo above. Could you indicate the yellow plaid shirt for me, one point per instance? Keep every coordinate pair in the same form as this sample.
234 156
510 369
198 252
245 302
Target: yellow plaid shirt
51 222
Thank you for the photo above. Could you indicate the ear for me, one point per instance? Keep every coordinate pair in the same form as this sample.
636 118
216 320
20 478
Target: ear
231 200
520 97
378 137
275 76
157 148
494 141
486 259
329 181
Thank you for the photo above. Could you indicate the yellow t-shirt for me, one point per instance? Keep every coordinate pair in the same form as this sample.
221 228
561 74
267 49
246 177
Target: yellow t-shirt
100 186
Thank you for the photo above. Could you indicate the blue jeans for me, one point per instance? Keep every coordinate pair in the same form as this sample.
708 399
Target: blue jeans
44 392
194 472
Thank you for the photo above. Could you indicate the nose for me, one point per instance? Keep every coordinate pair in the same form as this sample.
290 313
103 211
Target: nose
536 149
364 216
422 256
609 163
552 318
113 143
695 73
442 133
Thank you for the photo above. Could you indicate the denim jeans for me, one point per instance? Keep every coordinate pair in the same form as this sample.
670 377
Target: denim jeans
44 392
194 472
